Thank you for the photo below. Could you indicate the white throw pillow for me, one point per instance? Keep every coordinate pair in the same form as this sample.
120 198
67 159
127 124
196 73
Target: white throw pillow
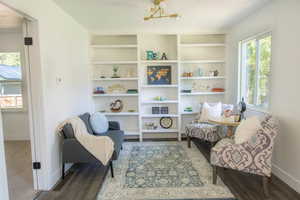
210 111
99 123
247 129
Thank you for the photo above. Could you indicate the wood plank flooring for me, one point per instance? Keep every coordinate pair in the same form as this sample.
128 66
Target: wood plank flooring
85 180
249 187
19 170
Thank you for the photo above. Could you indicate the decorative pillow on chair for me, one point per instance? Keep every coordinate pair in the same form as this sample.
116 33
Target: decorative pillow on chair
247 129
99 123
86 119
210 111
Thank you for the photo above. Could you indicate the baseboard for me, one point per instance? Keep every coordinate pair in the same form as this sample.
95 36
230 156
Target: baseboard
286 177
15 138
56 176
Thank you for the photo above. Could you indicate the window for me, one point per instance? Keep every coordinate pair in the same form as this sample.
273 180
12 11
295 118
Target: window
10 80
255 68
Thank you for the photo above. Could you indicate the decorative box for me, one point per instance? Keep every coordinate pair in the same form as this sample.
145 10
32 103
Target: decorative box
132 91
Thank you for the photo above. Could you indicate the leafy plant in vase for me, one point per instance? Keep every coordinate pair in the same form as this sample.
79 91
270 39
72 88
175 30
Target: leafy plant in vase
115 70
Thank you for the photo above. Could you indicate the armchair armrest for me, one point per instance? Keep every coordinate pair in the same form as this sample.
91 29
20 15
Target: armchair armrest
114 126
253 156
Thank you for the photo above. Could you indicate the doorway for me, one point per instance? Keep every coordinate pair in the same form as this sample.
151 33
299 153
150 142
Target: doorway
15 104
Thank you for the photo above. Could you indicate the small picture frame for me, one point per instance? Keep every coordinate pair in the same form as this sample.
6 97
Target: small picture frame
155 110
164 110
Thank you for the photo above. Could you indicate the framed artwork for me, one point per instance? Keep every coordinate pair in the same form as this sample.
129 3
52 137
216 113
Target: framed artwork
159 75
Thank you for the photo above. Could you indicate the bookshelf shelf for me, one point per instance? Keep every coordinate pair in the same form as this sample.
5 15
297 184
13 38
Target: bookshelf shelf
202 61
159 115
203 78
203 45
202 93
116 46
159 86
116 95
116 79
160 102
114 62
122 114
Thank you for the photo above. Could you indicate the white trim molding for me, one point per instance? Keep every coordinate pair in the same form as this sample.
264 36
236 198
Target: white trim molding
286 177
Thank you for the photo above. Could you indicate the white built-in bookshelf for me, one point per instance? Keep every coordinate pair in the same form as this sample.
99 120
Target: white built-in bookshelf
192 58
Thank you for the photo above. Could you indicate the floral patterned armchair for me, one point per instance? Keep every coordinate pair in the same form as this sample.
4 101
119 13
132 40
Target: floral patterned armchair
253 156
205 131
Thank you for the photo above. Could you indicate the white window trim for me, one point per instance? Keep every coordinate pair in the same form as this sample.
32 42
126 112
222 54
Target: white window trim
257 37
13 110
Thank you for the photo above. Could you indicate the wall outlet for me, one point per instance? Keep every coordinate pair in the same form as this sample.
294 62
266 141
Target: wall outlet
58 80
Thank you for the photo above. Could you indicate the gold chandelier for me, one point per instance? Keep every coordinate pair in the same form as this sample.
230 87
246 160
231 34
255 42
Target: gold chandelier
158 11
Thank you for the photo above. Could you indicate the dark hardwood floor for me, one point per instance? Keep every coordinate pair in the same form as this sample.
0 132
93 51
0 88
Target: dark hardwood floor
247 186
84 181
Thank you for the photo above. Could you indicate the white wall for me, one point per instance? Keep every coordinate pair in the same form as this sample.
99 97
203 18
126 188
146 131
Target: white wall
63 51
11 40
16 125
282 17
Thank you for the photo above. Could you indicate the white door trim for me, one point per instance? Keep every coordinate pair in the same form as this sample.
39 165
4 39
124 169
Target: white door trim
35 104
3 174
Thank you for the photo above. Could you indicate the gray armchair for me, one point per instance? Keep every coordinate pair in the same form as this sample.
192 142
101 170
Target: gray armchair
74 152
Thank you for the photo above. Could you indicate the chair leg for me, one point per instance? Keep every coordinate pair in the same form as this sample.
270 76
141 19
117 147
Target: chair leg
112 169
63 170
189 141
265 182
215 175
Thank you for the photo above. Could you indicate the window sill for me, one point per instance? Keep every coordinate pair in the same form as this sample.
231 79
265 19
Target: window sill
257 109
13 110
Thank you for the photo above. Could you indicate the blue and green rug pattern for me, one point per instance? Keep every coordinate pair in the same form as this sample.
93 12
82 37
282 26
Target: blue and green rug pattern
162 171
161 166
195 199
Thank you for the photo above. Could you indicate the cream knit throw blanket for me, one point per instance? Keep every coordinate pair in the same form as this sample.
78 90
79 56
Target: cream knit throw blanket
102 147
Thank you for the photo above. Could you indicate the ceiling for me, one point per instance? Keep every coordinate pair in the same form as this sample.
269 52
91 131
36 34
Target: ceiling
127 15
9 18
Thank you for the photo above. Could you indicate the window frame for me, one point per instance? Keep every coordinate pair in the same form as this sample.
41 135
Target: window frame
242 54
21 82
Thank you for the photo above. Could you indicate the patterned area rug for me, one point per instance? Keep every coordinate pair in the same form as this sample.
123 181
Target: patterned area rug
162 171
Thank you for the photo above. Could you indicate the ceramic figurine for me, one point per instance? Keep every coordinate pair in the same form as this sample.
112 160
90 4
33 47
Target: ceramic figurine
164 56
155 56
199 72
150 55
116 106
216 73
